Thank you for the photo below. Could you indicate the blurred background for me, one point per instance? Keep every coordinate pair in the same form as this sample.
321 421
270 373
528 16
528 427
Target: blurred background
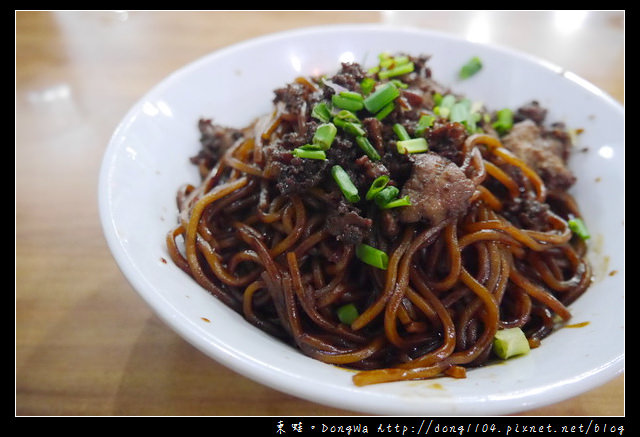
86 344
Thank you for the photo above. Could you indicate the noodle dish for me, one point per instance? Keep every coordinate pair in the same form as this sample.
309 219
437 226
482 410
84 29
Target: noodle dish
357 227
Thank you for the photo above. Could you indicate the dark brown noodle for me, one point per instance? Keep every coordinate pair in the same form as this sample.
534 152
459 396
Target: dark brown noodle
273 261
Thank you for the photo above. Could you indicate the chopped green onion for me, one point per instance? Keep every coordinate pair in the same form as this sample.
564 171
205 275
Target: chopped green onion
346 102
376 186
311 147
448 101
386 195
391 66
367 147
397 70
425 121
374 69
344 182
470 68
579 228
355 129
352 128
301 152
386 62
352 95
399 84
324 135
367 84
504 121
510 342
346 115
347 313
349 122
443 109
383 56
400 60
401 132
461 113
413 145
403 201
437 99
372 256
381 97
321 112
470 124
385 111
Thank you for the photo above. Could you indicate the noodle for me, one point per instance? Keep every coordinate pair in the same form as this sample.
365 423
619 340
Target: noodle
447 288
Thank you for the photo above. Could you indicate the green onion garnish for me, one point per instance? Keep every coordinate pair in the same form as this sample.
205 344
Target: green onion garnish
403 201
352 128
400 60
376 186
386 62
401 132
460 111
443 109
346 115
372 256
311 147
399 84
302 152
383 56
381 97
413 145
367 147
470 68
397 70
579 228
352 95
347 313
346 102
349 122
385 111
324 135
347 187
425 121
386 195
470 124
390 66
321 112
367 84
448 101
504 121
510 342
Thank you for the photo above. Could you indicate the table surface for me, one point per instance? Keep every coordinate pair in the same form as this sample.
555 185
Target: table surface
86 344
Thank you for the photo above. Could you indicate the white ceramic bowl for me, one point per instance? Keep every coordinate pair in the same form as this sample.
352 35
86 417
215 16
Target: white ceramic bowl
147 159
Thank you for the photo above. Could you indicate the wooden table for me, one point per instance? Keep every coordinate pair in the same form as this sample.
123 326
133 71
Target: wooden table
86 344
